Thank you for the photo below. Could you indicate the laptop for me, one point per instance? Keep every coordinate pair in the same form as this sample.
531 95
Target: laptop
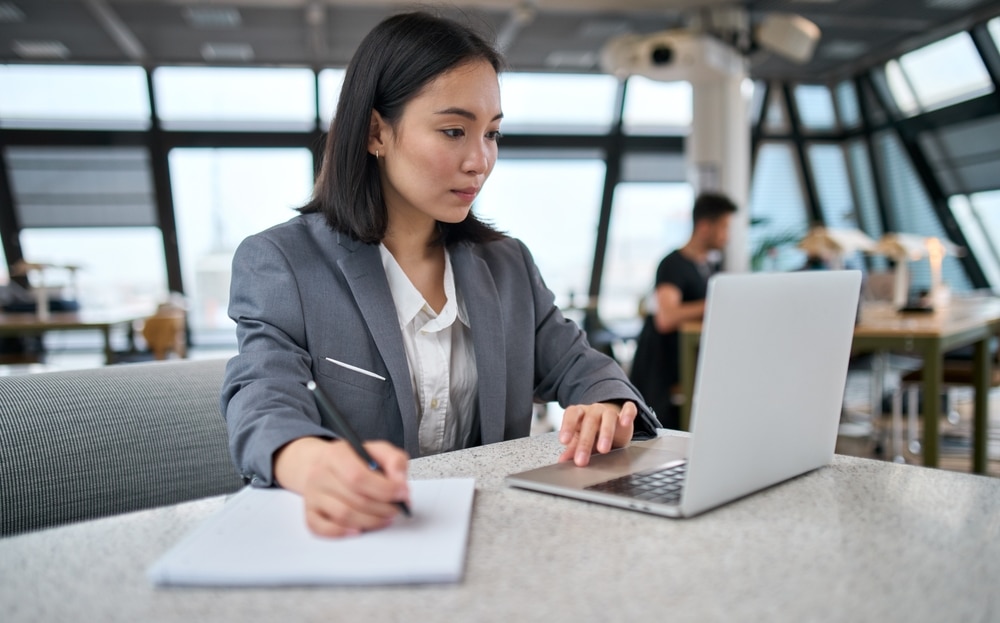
766 406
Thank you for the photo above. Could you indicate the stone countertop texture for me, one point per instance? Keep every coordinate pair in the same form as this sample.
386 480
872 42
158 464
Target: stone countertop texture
859 540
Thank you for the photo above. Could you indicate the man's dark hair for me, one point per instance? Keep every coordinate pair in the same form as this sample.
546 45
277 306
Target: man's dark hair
394 62
711 206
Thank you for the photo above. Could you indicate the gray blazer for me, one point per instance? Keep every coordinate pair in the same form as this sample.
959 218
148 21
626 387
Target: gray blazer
302 293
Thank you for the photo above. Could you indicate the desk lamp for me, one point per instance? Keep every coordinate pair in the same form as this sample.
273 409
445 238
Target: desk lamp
905 248
833 245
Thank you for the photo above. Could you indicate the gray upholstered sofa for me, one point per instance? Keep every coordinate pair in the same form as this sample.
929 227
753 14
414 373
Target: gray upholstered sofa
83 444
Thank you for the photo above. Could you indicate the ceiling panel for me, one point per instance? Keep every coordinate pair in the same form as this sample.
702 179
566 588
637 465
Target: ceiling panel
552 35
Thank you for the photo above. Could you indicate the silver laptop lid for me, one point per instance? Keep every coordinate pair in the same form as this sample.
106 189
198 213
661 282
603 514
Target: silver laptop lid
770 381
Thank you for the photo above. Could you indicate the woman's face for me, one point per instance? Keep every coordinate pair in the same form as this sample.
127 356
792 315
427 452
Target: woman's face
443 147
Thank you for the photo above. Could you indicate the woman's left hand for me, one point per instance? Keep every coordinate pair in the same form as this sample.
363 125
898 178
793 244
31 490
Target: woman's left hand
600 426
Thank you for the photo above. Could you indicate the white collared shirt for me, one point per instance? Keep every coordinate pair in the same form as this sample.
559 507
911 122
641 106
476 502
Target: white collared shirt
441 357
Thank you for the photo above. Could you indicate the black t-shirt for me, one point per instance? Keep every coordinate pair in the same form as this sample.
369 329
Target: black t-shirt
656 366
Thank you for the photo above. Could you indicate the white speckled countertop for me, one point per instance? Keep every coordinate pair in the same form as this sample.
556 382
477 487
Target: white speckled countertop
859 540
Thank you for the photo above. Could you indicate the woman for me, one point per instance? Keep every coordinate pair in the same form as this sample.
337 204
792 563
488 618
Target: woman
430 330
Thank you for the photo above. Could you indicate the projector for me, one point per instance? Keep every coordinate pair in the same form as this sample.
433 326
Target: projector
669 56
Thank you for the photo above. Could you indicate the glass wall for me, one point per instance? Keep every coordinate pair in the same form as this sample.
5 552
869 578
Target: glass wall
778 218
221 196
79 96
235 98
90 197
648 221
118 266
552 205
940 74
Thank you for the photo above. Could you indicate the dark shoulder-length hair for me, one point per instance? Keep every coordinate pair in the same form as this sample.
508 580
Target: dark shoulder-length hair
393 63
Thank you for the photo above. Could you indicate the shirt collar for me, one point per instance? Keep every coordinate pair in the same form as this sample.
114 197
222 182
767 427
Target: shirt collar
409 301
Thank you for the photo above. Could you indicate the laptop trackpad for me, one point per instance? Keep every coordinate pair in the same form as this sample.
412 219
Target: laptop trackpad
634 458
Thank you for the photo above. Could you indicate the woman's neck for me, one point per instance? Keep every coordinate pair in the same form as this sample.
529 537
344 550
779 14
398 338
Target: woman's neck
422 260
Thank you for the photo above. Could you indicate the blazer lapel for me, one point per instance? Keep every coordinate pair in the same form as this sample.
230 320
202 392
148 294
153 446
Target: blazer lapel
366 278
482 302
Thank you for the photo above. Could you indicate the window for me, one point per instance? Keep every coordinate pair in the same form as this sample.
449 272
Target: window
4 275
330 83
648 221
946 72
653 107
913 213
980 226
77 97
230 98
776 117
778 217
553 207
994 27
82 186
869 213
222 196
815 107
119 266
832 185
847 105
965 156
900 89
558 103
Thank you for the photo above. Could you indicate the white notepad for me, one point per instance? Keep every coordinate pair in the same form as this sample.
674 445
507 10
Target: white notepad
260 538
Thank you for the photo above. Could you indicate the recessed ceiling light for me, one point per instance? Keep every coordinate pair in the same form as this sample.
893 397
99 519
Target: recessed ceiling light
842 49
956 5
40 50
240 52
575 60
10 13
218 17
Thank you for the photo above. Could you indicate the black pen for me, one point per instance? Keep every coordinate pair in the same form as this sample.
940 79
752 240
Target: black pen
339 425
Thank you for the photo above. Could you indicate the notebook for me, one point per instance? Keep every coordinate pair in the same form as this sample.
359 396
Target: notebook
766 406
260 538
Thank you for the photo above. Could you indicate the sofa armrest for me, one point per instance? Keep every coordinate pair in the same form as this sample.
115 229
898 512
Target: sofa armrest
89 443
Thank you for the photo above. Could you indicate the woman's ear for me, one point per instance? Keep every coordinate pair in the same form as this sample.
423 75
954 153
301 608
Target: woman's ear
376 134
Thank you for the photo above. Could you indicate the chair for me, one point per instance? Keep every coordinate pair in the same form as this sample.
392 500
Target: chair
955 372
165 333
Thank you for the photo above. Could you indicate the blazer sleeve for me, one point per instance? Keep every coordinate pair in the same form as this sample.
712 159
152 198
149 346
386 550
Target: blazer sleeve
567 369
264 400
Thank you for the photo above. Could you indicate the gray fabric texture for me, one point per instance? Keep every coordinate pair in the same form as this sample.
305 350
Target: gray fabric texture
84 444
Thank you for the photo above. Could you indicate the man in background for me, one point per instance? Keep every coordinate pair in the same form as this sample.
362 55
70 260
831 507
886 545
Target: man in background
681 282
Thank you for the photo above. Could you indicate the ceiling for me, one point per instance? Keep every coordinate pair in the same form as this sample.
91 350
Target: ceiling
539 35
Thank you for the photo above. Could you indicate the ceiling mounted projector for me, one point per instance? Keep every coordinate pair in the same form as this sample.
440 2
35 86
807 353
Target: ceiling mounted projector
689 54
670 55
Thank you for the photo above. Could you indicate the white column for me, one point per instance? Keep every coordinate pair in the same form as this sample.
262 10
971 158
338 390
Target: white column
718 149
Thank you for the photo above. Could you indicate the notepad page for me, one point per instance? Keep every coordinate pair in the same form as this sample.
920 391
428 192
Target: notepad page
260 538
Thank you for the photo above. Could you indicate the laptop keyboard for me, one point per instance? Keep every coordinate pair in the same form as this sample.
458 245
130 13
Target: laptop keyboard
662 485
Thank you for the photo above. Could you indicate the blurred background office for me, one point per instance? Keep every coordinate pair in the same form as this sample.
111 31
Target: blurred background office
141 140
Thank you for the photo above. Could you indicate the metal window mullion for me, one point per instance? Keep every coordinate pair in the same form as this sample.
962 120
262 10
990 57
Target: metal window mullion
808 181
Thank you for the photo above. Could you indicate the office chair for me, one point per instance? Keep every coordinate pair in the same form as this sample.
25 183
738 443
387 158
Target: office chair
164 333
956 371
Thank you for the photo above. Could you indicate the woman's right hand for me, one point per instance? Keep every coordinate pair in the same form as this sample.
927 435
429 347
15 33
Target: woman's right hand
342 495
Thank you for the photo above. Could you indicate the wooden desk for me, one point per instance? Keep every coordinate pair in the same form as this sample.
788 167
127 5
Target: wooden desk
929 336
22 324
859 540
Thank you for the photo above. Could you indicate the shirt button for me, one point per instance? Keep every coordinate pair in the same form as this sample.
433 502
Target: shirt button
434 403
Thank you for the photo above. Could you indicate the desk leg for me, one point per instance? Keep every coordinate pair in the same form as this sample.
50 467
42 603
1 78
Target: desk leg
932 403
982 368
108 353
689 354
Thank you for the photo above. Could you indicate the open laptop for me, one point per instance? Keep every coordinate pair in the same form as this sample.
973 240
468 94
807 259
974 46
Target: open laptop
766 405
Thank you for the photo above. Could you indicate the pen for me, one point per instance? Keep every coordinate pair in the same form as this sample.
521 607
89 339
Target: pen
339 425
